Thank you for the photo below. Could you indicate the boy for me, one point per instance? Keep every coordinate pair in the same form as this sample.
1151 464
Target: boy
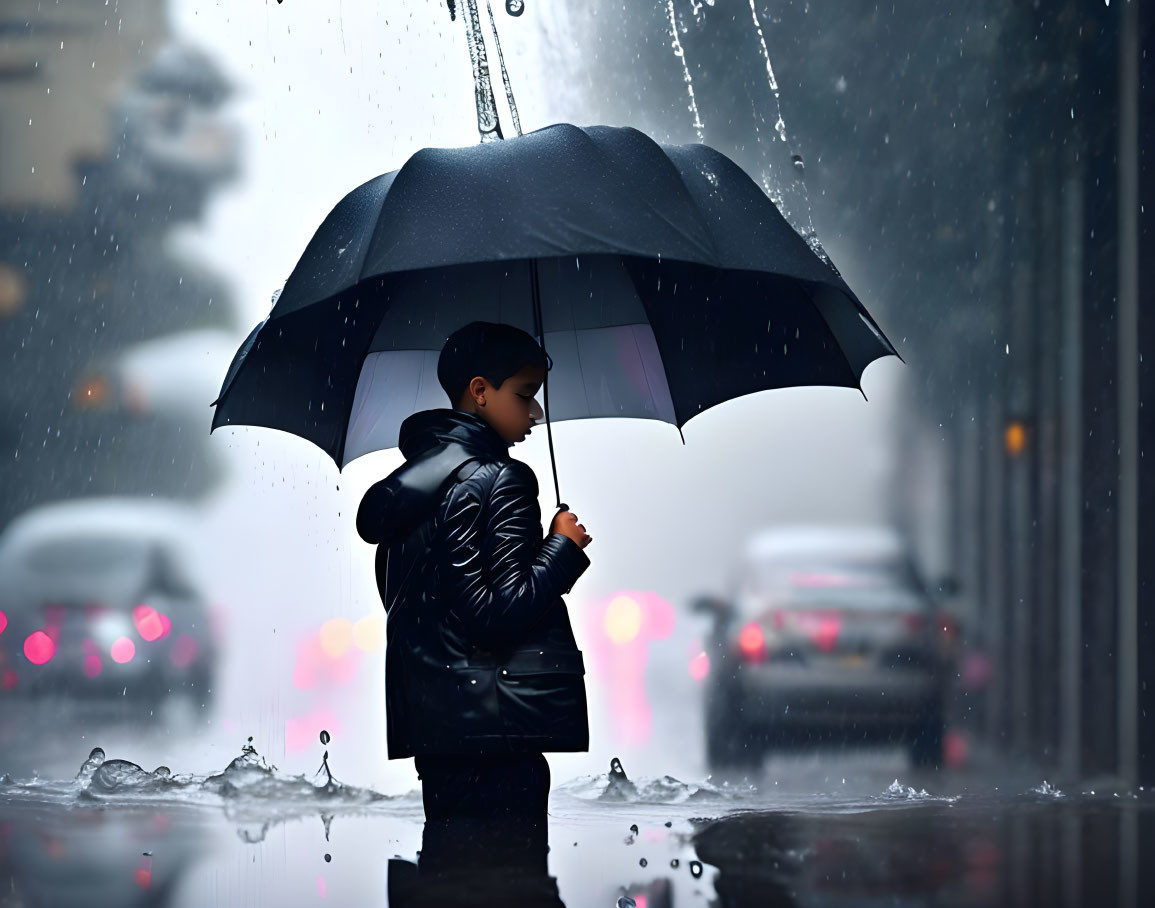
482 672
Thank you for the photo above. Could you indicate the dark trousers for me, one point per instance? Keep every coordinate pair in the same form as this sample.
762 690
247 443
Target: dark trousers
484 811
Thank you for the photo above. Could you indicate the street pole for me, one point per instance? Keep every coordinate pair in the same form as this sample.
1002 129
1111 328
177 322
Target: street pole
1127 325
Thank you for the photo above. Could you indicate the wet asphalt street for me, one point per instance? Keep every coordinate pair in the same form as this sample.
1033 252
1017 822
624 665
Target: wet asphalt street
840 828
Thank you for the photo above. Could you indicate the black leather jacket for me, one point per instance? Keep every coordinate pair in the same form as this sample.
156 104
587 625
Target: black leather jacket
480 656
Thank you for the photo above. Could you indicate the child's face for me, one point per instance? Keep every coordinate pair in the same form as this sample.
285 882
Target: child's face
511 409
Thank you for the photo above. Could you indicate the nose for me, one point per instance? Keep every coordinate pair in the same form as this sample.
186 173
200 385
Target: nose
535 411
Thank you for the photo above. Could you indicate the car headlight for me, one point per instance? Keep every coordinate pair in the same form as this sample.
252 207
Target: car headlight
109 627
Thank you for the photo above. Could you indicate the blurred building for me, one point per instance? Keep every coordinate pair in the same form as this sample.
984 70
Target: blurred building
109 135
989 165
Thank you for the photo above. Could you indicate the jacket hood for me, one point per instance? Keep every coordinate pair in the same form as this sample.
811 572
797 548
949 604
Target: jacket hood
435 444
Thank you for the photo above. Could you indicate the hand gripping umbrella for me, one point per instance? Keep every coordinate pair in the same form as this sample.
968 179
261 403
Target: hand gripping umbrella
660 279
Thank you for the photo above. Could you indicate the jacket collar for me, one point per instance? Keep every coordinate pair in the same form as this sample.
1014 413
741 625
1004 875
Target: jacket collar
428 429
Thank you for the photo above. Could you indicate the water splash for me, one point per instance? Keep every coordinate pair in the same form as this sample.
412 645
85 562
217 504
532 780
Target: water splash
248 788
680 53
617 786
88 767
896 791
1047 790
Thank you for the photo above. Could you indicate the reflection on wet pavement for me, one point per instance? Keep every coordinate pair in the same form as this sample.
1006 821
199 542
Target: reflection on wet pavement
820 830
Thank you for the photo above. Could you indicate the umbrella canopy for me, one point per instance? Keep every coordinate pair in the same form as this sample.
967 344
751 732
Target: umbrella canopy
660 279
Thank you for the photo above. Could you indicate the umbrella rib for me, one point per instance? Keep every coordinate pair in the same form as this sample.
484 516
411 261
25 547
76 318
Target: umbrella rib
585 388
370 335
716 258
712 248
378 222
661 360
642 362
837 342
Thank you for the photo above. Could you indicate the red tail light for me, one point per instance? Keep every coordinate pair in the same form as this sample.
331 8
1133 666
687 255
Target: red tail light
825 631
821 626
752 642
150 624
39 647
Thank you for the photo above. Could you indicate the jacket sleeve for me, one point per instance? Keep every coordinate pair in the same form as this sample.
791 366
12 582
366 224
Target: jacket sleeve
500 576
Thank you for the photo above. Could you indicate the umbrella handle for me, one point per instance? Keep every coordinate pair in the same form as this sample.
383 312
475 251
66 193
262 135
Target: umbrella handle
535 290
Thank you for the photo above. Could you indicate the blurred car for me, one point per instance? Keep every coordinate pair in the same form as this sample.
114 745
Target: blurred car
830 637
97 604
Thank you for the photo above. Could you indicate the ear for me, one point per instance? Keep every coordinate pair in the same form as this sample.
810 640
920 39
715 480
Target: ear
477 387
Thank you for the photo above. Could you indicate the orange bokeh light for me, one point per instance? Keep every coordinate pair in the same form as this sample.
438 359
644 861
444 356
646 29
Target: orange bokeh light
623 619
93 393
1015 438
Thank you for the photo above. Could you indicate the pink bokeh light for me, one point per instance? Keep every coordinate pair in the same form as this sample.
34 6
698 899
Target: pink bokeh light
148 622
301 731
123 650
184 651
39 648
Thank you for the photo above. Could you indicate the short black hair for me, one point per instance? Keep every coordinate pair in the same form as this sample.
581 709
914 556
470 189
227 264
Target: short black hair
492 350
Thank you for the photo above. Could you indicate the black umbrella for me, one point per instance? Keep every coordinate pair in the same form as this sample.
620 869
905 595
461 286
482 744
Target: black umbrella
660 279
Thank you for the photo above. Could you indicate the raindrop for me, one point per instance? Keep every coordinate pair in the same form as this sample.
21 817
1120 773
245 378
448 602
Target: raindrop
696 869
626 902
643 862
674 863
328 858
324 737
514 7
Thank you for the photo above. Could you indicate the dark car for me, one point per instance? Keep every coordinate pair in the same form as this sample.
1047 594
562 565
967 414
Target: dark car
829 637
97 604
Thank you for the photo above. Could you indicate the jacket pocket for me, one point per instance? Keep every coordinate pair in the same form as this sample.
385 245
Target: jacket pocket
451 704
541 695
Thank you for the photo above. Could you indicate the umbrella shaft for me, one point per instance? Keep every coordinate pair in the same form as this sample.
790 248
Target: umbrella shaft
535 289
